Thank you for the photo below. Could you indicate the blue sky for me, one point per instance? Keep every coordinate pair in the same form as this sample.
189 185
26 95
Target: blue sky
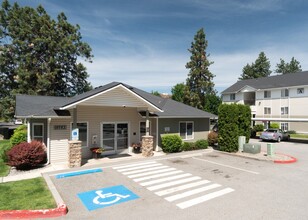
144 42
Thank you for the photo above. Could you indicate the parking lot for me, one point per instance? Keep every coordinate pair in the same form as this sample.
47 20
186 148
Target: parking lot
207 185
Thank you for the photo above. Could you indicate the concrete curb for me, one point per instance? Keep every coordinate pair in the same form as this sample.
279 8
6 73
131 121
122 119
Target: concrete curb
40 213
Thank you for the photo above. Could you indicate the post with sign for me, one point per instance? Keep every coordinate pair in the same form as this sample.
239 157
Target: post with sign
74 150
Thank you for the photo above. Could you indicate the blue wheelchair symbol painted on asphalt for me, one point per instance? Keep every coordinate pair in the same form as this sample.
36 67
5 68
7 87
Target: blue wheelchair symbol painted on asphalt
104 197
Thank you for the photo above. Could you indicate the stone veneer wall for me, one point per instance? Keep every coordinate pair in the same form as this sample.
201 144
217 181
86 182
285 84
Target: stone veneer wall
74 154
147 146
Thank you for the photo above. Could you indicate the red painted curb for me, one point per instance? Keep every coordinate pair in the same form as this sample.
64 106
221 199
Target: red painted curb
292 160
40 213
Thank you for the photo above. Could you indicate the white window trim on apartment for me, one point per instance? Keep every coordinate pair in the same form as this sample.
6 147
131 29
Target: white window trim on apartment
193 130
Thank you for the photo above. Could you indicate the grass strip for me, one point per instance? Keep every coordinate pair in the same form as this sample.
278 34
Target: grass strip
26 194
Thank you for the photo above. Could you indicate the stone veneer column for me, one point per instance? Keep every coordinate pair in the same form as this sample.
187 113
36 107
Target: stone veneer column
147 146
74 154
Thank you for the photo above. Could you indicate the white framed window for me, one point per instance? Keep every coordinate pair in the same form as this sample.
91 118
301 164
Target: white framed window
285 93
38 132
300 91
284 110
267 110
267 94
284 126
232 96
186 130
142 129
83 132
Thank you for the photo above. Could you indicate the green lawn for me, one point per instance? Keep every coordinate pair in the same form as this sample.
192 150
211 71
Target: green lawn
26 194
4 146
299 135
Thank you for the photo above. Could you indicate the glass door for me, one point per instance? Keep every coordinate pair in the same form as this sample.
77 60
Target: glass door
122 136
109 136
115 136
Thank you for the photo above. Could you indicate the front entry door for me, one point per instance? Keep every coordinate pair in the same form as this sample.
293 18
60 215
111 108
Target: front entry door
115 136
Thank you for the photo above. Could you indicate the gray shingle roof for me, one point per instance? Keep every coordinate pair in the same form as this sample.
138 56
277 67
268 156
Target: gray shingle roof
40 106
278 81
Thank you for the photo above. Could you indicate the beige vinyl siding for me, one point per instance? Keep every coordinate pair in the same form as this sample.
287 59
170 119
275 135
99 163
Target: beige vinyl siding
59 141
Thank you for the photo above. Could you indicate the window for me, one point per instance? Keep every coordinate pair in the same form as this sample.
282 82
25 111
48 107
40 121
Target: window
300 91
38 132
83 132
187 130
142 129
232 96
267 94
267 110
285 93
284 126
284 110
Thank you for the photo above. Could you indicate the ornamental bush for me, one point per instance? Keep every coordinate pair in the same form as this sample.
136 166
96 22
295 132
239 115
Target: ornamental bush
171 143
258 127
187 146
27 155
274 125
19 136
201 144
212 138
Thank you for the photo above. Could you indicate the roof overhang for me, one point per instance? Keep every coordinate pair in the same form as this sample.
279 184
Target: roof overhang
108 98
281 119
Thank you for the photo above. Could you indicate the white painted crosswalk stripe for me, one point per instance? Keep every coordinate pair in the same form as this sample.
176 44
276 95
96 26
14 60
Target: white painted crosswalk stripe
143 170
181 187
158 175
151 172
174 183
139 167
133 165
191 192
204 198
171 183
165 179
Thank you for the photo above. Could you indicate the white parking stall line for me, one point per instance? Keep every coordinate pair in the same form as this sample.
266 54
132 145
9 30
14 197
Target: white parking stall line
158 175
182 187
151 172
173 183
204 198
138 167
165 179
143 170
133 165
191 192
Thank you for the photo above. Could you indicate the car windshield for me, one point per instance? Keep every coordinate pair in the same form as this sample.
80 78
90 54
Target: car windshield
271 130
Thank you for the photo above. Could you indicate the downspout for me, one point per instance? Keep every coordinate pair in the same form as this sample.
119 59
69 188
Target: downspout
156 134
28 131
48 141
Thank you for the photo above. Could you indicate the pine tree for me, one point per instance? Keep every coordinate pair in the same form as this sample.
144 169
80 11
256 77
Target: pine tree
39 55
200 80
292 67
261 68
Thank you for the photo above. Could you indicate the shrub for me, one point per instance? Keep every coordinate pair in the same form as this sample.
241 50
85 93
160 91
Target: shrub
292 132
212 138
27 155
3 149
244 121
274 125
258 127
171 143
19 136
201 144
187 146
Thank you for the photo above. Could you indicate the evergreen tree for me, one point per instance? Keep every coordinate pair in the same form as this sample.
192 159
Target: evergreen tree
212 103
178 92
39 55
292 67
200 80
261 68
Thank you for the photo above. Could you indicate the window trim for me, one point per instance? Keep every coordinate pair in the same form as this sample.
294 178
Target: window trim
232 96
269 94
33 136
283 110
193 130
284 123
265 111
299 89
285 93
79 122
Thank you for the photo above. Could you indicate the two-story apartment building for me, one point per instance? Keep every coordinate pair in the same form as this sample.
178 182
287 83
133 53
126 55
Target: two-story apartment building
281 99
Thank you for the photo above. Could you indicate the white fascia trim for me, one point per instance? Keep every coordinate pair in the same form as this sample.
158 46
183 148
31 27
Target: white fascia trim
120 85
184 117
33 116
281 119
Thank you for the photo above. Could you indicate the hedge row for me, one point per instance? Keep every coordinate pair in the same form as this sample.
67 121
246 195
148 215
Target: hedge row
234 121
172 143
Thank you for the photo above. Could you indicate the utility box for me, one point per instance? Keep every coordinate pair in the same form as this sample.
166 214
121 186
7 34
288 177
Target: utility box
270 149
254 148
241 142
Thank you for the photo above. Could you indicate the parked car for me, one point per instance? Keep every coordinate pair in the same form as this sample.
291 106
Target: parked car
274 135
